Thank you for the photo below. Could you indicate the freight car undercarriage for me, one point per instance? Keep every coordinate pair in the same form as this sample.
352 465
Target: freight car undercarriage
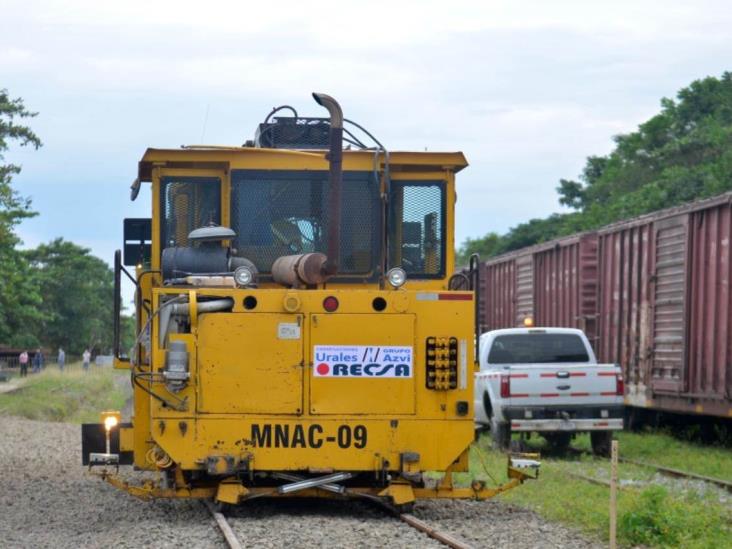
176 483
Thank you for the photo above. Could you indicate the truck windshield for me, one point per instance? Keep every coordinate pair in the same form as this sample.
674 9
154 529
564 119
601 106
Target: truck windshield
285 212
537 349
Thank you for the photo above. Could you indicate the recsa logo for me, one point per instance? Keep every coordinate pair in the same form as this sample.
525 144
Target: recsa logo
365 361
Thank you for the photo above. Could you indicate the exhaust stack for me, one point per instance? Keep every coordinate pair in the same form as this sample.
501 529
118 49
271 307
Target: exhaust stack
335 180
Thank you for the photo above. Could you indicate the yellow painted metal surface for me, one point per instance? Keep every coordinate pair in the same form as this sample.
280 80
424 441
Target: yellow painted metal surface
247 364
288 386
231 491
399 493
280 444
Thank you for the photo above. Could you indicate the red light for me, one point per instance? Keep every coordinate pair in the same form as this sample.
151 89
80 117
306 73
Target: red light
505 386
619 385
330 304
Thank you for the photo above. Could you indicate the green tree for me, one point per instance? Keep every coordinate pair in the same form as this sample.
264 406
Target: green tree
19 297
485 247
128 333
681 154
77 291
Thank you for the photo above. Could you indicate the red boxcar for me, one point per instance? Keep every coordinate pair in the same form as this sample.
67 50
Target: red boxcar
652 293
555 283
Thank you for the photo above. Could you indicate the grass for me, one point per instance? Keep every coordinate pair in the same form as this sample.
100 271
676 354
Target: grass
652 511
663 449
73 396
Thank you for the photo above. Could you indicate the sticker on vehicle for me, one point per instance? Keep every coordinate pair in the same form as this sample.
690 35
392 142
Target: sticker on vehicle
364 361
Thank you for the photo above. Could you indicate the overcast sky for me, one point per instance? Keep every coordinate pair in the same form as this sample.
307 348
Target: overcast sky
526 89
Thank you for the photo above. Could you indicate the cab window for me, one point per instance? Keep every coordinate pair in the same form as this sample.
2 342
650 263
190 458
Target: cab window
285 212
187 203
540 348
417 228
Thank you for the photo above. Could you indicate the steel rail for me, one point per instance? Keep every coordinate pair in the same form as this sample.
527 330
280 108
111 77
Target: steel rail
442 537
446 539
668 471
229 536
417 524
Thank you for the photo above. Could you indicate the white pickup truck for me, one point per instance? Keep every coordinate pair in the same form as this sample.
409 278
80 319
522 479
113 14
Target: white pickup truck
547 380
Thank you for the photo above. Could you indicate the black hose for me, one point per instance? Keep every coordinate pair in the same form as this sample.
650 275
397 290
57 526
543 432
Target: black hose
277 109
475 282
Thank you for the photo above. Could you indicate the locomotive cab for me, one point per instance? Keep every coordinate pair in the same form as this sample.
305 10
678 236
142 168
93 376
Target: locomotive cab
299 327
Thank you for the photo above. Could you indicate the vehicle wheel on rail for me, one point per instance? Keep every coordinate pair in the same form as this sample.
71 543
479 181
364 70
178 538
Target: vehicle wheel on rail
558 442
223 508
405 508
601 442
501 435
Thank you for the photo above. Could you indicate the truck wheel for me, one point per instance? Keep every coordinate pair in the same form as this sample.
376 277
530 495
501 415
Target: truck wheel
501 435
517 446
559 442
601 442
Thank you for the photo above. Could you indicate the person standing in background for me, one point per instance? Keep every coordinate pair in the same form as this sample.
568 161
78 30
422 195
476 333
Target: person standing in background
37 361
23 360
86 357
61 359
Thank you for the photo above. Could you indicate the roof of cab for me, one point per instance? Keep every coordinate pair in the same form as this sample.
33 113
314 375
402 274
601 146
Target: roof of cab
223 157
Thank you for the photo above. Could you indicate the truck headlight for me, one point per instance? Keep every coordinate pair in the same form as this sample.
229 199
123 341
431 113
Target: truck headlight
396 277
243 276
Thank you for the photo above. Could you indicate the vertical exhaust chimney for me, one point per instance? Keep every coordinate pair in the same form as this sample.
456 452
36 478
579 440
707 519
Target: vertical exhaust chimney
335 179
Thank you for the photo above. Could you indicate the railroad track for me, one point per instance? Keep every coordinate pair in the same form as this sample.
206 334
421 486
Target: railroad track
443 537
229 536
668 471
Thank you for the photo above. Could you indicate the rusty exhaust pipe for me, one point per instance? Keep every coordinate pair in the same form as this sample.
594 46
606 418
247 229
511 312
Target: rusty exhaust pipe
297 271
335 180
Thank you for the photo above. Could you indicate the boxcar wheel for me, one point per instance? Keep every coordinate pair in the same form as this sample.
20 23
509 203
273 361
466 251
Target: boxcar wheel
601 441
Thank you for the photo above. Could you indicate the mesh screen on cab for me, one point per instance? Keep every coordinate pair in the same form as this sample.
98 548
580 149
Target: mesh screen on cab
284 212
417 227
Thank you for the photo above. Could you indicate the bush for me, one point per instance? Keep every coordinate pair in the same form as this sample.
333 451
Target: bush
654 519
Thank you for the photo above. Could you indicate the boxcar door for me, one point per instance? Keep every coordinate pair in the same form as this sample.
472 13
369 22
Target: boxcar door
669 312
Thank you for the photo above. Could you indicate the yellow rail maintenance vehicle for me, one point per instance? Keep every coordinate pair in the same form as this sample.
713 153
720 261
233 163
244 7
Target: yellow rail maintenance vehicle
301 332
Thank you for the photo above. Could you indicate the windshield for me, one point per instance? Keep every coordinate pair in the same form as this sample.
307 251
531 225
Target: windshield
537 349
282 212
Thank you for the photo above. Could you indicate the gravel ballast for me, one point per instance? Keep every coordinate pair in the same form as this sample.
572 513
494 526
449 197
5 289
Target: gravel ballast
48 500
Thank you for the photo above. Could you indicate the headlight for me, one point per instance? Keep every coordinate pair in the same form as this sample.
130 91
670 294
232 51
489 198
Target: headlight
396 277
110 419
243 276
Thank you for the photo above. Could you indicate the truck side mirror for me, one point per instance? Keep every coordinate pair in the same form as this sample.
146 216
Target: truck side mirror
137 241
